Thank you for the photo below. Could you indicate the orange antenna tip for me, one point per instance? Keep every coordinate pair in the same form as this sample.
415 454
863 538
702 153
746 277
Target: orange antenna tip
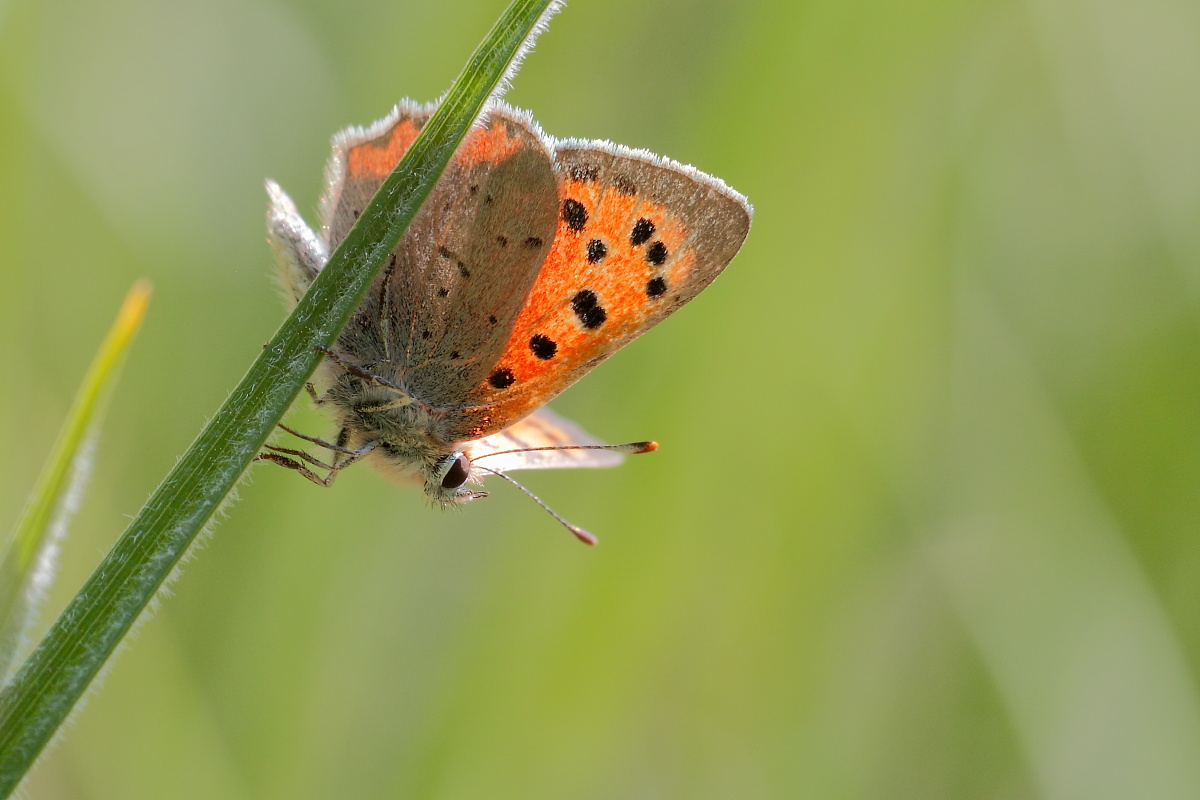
583 536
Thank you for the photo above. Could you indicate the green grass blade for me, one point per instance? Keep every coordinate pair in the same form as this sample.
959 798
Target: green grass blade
27 563
62 666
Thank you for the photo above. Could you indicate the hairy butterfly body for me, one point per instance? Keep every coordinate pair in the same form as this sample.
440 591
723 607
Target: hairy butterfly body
532 260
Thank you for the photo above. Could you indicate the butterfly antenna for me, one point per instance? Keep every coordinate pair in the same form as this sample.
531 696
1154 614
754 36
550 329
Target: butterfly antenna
580 533
632 448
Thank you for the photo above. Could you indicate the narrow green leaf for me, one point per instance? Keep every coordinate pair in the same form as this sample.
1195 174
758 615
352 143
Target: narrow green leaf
27 566
62 666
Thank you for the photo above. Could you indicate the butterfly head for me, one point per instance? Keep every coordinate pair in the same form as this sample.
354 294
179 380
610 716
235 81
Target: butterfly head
445 475
446 481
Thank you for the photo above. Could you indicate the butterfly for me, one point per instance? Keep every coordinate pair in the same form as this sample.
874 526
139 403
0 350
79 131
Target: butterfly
532 260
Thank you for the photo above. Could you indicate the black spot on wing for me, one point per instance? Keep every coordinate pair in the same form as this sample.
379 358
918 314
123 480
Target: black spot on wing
543 346
596 250
502 378
656 254
643 229
624 185
574 214
588 309
584 173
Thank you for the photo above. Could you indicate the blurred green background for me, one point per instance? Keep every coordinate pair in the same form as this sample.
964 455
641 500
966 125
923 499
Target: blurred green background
924 522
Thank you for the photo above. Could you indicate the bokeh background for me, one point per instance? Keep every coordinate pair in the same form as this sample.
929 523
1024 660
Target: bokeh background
926 518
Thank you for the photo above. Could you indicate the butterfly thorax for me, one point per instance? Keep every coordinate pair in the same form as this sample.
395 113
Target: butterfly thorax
402 432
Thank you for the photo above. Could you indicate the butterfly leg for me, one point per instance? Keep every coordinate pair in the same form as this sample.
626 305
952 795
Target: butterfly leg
279 456
290 463
340 447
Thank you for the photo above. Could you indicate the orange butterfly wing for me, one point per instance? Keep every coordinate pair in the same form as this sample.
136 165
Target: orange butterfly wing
638 236
362 158
439 314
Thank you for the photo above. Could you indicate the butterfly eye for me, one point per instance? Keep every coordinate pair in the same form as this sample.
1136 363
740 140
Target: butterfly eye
456 472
